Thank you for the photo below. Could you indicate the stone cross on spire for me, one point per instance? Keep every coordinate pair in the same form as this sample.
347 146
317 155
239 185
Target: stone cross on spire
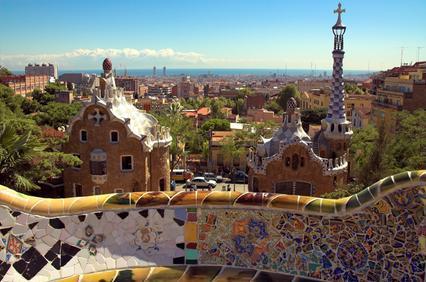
339 11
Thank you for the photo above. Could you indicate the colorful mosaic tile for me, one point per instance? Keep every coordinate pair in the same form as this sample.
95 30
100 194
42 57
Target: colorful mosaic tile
378 234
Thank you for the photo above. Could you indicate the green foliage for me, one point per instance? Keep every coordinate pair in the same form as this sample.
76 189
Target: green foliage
216 124
180 130
313 116
57 114
231 150
344 191
352 88
366 154
4 71
30 106
25 158
42 98
8 97
272 105
407 149
239 106
376 154
53 88
285 94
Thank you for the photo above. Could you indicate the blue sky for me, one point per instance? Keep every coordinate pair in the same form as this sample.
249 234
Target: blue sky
77 34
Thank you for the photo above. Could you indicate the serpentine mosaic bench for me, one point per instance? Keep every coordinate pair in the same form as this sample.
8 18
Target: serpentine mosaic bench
376 234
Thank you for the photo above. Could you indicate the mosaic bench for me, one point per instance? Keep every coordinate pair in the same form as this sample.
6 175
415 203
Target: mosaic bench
376 234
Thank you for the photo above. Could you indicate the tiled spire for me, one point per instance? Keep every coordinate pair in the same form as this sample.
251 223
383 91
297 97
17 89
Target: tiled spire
336 109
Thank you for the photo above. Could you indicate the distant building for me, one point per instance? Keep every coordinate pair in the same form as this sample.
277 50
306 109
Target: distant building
198 116
122 148
43 69
404 92
164 71
262 115
154 71
185 88
255 101
25 84
64 96
128 84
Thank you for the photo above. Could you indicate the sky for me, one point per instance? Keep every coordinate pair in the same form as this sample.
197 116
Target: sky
276 34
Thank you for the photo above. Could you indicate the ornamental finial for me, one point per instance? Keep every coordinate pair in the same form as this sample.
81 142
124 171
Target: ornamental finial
339 11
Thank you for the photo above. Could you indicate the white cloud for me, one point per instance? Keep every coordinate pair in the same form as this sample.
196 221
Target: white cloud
20 60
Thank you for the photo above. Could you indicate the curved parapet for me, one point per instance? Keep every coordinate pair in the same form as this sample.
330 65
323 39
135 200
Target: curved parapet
376 234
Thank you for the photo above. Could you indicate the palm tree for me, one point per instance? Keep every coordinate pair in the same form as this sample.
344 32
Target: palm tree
16 154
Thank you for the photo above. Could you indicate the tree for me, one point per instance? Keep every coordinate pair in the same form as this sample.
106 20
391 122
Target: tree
180 130
12 101
407 149
216 124
352 88
272 105
231 150
366 154
53 88
285 94
4 71
42 98
313 116
30 106
57 114
239 106
344 191
25 160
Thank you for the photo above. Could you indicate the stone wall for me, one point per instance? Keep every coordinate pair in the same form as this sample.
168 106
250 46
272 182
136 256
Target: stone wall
377 234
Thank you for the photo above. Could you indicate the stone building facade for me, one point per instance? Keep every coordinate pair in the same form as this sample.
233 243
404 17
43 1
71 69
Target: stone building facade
290 162
121 148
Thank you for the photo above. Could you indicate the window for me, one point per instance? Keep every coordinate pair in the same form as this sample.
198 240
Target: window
83 135
114 136
302 161
77 190
118 190
98 168
77 166
295 162
162 184
287 161
97 190
126 163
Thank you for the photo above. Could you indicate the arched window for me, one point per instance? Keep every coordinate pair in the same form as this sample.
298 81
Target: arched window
339 127
332 127
302 161
162 184
295 162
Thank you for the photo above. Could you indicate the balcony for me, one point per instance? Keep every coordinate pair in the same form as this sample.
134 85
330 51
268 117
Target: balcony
386 104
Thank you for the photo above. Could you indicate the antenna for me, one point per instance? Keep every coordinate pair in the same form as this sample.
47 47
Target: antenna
402 54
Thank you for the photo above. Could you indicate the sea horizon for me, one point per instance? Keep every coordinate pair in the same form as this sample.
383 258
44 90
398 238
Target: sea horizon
141 72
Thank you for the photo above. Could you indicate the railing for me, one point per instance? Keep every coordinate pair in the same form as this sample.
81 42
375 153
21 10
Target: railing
260 163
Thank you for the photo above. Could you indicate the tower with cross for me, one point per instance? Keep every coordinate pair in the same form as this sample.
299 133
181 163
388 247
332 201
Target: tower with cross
336 128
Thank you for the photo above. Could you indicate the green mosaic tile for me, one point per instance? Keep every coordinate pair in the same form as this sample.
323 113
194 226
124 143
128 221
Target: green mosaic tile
364 196
352 203
387 184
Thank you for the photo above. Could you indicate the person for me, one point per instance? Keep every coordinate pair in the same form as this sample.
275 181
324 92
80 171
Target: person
173 185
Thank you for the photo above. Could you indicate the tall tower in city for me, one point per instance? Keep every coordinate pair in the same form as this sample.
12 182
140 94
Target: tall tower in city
336 130
154 71
164 71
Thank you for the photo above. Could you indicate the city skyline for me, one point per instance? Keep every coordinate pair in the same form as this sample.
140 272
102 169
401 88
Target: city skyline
210 34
